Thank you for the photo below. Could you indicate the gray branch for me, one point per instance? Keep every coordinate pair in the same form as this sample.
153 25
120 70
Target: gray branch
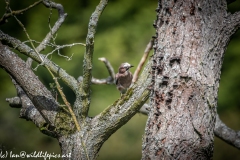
23 48
226 134
8 15
34 89
143 60
231 25
61 17
108 80
28 110
88 55
110 70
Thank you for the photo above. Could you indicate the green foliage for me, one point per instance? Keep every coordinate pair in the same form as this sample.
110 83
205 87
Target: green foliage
123 32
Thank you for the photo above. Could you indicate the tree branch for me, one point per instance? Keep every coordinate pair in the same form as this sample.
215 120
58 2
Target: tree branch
87 62
58 121
142 61
28 111
108 80
35 90
110 70
8 15
231 25
61 17
23 48
226 134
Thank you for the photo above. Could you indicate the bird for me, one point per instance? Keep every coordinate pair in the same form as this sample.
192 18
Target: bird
123 77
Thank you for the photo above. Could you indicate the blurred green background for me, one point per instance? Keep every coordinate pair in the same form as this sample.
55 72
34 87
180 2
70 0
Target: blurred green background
122 34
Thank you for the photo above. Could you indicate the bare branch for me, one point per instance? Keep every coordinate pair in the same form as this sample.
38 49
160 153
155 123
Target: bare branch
231 25
28 111
87 62
57 48
226 134
23 48
8 15
38 93
142 61
108 80
109 68
54 29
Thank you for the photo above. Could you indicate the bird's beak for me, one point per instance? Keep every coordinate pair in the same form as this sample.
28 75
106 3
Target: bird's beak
131 66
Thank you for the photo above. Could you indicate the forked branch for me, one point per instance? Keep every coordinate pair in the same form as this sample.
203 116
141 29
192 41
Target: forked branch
28 110
61 17
88 55
38 93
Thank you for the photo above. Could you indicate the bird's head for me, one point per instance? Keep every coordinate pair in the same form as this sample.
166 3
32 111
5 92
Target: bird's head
124 67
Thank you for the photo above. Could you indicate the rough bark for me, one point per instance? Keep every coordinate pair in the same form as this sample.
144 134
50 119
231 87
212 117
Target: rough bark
186 67
46 112
24 76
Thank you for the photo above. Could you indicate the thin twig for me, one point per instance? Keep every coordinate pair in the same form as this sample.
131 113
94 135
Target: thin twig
8 15
58 47
65 101
26 50
143 60
107 80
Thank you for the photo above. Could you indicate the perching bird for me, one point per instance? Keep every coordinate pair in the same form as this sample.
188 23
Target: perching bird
123 77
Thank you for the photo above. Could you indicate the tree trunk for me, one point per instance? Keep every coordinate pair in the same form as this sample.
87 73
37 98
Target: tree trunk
188 54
